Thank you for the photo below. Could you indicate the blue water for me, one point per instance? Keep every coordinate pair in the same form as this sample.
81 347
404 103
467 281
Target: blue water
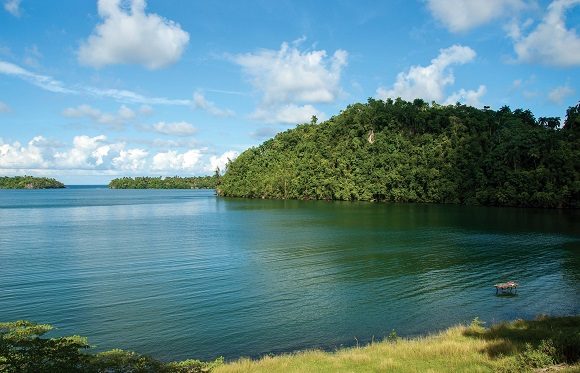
183 274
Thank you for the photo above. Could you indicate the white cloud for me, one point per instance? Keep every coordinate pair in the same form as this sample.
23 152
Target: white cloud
130 160
42 81
16 155
4 108
462 15
12 7
123 95
429 82
200 102
287 114
122 116
87 152
289 75
290 81
550 43
174 161
558 94
175 129
120 95
468 97
132 37
98 156
220 162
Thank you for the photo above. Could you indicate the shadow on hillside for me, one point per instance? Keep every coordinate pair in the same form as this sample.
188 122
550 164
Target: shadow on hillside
511 338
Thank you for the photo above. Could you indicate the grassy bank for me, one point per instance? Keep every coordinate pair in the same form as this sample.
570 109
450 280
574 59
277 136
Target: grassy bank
518 346
545 344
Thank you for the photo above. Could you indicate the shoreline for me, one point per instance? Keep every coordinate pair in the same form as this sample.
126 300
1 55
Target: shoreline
513 346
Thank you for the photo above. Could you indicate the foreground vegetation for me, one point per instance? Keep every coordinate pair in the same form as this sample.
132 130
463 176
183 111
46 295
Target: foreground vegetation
29 182
175 182
519 346
416 152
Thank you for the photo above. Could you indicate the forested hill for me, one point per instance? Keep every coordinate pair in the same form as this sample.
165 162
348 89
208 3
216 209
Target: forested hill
29 182
415 152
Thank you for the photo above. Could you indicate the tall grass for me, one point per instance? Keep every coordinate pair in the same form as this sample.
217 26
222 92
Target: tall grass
509 347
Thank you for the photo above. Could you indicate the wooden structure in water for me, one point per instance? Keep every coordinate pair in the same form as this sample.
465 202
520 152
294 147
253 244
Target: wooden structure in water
504 287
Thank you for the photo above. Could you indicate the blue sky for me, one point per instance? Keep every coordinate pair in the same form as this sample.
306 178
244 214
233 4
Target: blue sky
92 90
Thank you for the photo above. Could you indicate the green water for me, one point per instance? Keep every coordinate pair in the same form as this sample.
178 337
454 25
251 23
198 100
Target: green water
180 274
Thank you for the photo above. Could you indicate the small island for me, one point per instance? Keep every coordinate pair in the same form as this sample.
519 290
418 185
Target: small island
29 182
175 182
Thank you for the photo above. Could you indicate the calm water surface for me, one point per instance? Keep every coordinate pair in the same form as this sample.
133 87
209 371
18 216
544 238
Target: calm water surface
180 274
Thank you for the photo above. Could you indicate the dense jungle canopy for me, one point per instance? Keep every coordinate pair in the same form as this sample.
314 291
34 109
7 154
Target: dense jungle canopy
401 151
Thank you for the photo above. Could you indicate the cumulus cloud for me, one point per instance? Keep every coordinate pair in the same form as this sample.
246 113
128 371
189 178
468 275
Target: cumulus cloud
132 37
175 128
130 160
173 160
290 80
550 42
30 155
559 94
12 7
287 114
42 81
98 155
4 108
87 152
289 75
463 15
468 97
219 162
122 116
200 102
429 82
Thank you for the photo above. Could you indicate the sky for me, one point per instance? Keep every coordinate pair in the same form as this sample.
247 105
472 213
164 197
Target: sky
93 90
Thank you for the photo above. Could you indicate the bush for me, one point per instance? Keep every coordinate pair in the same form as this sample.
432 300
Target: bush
541 357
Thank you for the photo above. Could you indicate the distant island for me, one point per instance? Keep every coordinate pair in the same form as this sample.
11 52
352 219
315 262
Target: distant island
29 182
399 151
175 182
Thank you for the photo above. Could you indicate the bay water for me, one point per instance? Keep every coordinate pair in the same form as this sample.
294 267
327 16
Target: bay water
184 274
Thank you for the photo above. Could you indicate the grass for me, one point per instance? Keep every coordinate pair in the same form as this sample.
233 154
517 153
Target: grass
544 344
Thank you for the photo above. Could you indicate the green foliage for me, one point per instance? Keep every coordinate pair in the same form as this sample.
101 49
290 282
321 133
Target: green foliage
398 151
477 324
124 361
533 358
29 182
176 182
22 349
194 366
392 337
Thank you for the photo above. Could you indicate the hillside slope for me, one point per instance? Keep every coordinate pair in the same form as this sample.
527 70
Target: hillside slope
415 152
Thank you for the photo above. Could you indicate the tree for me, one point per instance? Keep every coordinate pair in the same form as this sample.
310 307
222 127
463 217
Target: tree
23 350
